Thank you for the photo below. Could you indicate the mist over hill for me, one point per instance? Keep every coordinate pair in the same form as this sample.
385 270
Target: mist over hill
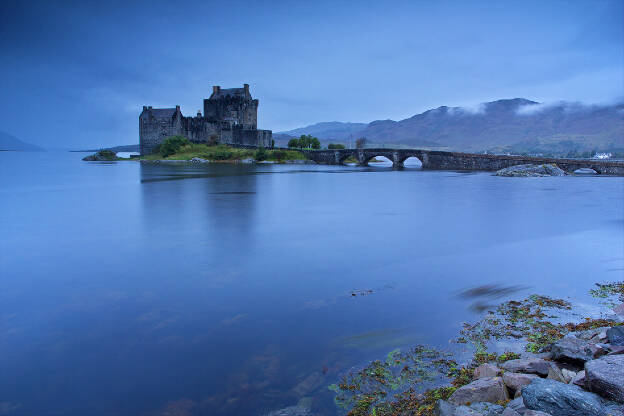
9 142
512 125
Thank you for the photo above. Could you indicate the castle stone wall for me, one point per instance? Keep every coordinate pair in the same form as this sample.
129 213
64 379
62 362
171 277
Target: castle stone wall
230 117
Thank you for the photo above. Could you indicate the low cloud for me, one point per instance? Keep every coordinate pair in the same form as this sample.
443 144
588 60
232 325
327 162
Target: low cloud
468 109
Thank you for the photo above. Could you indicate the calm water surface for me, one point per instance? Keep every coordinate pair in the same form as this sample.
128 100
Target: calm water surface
227 290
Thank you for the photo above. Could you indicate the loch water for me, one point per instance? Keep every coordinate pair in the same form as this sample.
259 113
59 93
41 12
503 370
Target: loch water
231 289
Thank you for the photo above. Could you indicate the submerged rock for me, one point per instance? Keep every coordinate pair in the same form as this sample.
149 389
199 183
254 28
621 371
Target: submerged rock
605 376
561 399
302 408
532 170
490 389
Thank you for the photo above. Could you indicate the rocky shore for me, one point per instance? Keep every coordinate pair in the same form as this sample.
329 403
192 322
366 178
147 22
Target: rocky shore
581 375
532 171
567 368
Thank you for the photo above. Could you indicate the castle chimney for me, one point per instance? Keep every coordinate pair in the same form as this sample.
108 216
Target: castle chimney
177 108
144 108
198 113
246 86
215 89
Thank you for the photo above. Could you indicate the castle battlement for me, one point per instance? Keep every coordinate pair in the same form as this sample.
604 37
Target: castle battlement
230 117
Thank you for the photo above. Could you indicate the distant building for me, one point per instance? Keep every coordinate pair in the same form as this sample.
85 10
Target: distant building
602 156
230 117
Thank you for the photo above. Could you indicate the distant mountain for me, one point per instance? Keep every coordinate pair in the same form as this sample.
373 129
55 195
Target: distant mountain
332 130
9 142
515 125
123 148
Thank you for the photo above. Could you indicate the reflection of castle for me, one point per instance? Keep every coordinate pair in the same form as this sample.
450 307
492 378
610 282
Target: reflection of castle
230 117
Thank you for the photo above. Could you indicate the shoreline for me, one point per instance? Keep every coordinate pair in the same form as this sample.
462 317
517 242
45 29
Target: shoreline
563 365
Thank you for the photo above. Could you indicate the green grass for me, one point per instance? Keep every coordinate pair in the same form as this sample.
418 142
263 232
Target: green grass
225 154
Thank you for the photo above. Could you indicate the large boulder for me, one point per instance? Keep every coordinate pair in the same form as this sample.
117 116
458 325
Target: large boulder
605 376
571 348
527 365
535 413
490 389
532 170
561 399
616 335
515 381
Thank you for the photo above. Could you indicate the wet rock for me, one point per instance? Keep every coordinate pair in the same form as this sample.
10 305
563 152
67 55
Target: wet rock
515 381
568 375
482 390
486 370
536 413
527 365
488 409
579 379
443 408
616 335
466 411
616 349
517 405
605 376
554 373
198 160
560 399
510 412
532 170
619 311
591 334
572 349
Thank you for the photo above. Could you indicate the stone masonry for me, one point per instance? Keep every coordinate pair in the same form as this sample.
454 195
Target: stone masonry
431 159
230 117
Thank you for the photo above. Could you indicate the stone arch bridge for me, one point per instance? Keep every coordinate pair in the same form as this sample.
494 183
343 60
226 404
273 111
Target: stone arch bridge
432 159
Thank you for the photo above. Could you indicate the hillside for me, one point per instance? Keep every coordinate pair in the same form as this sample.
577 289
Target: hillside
515 125
9 142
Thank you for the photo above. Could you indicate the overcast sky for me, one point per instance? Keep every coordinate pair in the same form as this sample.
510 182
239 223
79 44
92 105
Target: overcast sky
76 74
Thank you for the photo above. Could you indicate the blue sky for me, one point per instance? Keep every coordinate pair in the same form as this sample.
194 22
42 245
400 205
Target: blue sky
76 74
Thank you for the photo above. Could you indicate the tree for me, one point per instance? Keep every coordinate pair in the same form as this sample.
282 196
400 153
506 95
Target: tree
361 142
335 146
305 141
172 144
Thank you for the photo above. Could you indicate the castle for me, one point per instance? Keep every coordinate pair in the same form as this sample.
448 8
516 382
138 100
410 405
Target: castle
230 117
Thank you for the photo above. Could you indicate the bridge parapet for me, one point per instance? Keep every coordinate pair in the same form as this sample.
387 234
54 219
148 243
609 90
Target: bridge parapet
439 160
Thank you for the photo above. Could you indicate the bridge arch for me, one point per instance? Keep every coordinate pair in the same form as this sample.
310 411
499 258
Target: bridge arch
387 159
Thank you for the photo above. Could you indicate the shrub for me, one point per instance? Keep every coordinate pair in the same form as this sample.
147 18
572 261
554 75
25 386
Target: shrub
172 144
335 146
293 143
279 154
261 153
222 153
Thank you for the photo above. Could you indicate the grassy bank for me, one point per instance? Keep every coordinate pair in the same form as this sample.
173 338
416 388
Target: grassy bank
227 154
